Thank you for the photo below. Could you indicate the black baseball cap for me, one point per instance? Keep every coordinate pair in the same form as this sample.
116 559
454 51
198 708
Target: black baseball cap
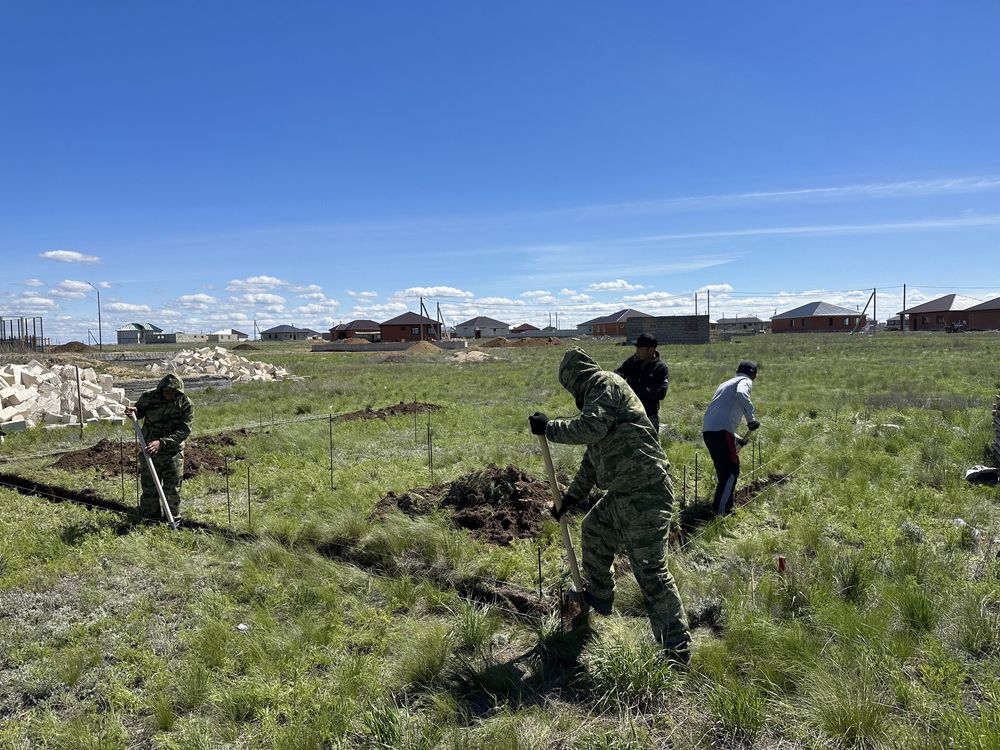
746 367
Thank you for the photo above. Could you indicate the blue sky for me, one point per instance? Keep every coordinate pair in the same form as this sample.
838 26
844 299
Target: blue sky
208 164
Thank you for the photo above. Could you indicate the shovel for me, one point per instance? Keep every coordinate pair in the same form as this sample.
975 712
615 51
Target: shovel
574 569
164 506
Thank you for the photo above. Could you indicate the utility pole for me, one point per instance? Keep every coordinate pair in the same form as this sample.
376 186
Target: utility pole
696 304
708 294
100 332
902 313
875 309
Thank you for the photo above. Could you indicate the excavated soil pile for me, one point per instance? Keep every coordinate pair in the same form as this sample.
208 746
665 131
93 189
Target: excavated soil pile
495 505
499 343
245 347
355 341
199 456
423 346
72 347
395 410
549 341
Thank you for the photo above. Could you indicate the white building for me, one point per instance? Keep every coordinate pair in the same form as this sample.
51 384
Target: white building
482 328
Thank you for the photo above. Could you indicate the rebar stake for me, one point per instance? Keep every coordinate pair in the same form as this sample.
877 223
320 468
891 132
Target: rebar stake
249 517
539 572
229 505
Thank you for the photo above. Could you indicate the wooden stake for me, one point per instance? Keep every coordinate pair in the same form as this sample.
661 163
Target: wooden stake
574 569
164 505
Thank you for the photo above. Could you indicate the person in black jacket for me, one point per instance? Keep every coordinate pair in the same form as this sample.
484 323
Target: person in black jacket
648 376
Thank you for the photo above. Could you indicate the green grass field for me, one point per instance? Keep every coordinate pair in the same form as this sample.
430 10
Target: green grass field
326 629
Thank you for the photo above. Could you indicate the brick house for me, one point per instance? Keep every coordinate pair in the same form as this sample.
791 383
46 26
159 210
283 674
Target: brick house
611 325
940 314
818 317
985 316
523 328
356 329
410 326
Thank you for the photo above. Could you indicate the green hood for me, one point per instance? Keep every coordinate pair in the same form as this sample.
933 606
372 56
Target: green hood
576 369
172 381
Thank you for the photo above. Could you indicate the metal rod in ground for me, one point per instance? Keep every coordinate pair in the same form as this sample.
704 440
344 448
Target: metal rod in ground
121 464
229 505
136 454
562 607
331 452
430 448
415 438
539 572
684 496
249 518
696 477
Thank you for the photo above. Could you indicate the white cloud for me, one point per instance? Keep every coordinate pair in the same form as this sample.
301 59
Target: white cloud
307 288
618 285
313 295
499 301
260 298
104 284
433 291
536 293
197 301
316 309
32 282
130 308
721 288
567 292
68 256
362 295
377 311
70 289
580 298
255 284
31 302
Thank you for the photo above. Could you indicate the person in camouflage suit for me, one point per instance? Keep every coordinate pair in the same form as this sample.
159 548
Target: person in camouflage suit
623 457
167 415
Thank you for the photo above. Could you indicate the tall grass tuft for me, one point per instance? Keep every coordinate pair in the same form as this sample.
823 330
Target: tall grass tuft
475 627
423 658
917 611
740 709
628 670
977 626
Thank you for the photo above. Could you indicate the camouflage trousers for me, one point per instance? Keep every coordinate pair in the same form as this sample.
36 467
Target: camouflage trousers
638 524
170 470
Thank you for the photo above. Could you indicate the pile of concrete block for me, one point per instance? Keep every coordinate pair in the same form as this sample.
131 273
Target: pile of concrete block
34 394
220 362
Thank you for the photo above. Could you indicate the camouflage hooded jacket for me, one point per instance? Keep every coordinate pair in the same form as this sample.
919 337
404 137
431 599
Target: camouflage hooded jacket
166 421
623 454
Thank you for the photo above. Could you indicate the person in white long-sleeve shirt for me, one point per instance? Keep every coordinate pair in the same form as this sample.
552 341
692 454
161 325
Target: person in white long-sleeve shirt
729 406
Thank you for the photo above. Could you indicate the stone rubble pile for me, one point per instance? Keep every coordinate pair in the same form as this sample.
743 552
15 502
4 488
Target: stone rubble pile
34 394
221 362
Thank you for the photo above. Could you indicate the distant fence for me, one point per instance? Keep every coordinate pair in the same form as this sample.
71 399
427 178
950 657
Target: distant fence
22 334
996 429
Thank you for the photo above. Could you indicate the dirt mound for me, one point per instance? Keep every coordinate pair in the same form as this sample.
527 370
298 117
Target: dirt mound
354 341
72 347
498 343
473 356
495 505
245 347
395 410
423 346
547 341
200 456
